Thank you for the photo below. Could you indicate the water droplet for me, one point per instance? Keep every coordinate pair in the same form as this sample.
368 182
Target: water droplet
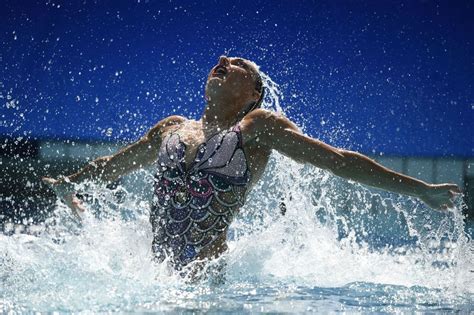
11 104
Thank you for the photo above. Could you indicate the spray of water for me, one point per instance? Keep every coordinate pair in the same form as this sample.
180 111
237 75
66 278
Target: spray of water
336 241
273 95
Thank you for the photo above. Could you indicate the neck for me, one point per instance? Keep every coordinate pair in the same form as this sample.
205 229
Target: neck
215 119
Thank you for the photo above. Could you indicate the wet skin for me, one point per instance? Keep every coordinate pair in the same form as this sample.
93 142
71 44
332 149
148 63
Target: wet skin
230 90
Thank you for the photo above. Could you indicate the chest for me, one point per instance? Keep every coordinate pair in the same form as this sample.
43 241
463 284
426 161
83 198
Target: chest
184 140
221 154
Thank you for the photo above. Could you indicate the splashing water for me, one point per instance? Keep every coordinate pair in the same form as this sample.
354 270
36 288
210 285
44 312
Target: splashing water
273 94
339 246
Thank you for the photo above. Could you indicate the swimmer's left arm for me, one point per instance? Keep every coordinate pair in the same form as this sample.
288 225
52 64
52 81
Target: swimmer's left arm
279 133
362 169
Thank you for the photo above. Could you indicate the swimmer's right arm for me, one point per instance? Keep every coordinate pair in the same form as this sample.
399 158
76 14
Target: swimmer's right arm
139 154
106 169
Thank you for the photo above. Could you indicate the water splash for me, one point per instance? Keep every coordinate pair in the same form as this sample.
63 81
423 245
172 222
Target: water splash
273 94
339 246
325 241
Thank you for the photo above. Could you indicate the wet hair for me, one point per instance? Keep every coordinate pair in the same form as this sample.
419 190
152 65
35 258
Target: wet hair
254 105
259 87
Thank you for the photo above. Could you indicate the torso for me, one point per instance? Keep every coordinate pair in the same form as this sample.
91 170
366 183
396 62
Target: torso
200 186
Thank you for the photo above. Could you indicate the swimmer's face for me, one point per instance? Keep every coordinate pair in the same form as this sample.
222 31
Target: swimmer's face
233 79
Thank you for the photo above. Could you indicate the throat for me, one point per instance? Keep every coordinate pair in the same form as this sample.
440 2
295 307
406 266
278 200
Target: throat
218 116
211 127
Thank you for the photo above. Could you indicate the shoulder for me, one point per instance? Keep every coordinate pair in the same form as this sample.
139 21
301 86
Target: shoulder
261 121
171 120
161 126
256 119
258 115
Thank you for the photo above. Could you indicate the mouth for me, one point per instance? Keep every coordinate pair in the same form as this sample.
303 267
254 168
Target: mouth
219 71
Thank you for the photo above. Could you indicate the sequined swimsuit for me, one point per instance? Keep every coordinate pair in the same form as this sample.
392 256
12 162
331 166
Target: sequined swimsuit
194 204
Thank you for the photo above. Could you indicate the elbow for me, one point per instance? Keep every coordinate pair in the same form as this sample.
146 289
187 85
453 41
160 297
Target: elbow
353 164
101 166
340 162
101 163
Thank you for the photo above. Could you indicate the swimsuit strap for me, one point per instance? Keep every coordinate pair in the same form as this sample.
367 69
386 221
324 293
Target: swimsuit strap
238 131
236 127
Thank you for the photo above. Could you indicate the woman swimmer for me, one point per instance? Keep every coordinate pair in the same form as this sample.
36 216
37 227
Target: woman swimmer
205 168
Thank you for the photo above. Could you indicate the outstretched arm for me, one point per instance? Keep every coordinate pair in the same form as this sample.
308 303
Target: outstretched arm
277 132
135 156
110 168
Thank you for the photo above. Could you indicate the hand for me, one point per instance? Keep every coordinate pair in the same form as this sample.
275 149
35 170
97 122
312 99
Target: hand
64 189
440 196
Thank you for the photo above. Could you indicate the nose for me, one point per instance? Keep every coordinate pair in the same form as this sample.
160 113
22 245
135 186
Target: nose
223 61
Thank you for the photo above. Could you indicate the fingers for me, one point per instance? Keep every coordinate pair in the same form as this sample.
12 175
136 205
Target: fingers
78 204
48 180
442 196
66 195
450 191
448 205
443 187
457 191
75 205
452 188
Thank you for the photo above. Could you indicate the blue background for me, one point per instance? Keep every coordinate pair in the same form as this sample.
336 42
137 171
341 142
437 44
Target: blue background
382 77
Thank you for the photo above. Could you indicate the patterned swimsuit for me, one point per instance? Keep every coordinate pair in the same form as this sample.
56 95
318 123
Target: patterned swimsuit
195 204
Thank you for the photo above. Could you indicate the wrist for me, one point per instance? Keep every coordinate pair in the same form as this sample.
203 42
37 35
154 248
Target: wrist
423 189
64 185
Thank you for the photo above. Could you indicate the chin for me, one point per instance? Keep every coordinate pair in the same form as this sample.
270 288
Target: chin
214 87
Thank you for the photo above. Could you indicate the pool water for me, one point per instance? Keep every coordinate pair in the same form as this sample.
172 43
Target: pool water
338 247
